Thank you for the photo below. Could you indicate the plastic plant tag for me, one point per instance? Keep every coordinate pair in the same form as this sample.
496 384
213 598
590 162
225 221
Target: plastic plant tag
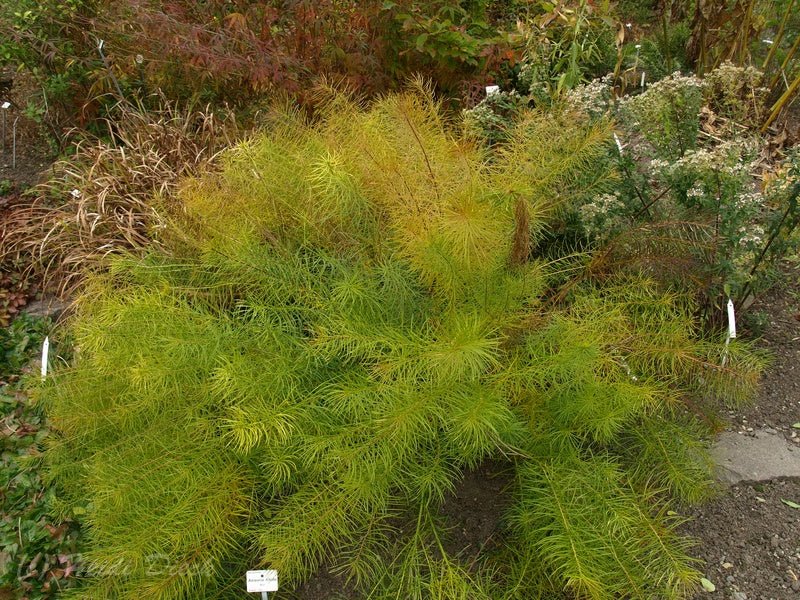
45 356
619 144
731 320
5 105
492 89
262 581
643 76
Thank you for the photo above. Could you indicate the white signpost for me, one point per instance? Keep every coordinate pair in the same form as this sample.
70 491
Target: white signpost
5 106
731 331
45 356
262 581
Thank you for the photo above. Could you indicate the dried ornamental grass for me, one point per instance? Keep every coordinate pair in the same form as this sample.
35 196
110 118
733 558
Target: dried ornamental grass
111 195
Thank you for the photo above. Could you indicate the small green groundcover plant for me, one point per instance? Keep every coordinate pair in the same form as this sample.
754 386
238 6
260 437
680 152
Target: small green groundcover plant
353 313
38 556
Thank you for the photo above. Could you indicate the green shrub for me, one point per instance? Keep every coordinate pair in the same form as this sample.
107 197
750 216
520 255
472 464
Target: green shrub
52 40
690 210
565 46
664 53
352 313
667 114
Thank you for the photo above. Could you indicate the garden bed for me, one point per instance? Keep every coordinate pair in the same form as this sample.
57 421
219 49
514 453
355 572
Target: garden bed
749 539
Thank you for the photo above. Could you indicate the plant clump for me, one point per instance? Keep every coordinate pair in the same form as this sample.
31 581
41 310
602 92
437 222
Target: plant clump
344 319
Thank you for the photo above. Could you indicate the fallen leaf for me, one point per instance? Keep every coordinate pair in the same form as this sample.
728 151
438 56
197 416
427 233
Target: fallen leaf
796 425
727 565
790 504
707 585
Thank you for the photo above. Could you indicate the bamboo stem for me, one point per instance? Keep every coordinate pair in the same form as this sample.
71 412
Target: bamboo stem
786 60
778 37
743 39
781 103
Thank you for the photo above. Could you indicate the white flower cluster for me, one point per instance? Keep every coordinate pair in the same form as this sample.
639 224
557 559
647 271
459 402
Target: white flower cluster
728 158
731 76
749 201
593 98
736 92
599 215
695 192
671 86
748 246
752 235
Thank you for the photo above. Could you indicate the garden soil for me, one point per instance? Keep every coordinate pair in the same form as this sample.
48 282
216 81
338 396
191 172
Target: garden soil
748 537
34 154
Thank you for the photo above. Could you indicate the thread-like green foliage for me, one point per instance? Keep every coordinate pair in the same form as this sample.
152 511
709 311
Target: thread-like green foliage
352 314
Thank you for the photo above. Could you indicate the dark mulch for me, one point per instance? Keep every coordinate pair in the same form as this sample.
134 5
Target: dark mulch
749 540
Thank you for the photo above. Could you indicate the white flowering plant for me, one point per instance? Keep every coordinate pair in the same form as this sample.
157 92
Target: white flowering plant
737 93
686 206
667 114
715 186
493 119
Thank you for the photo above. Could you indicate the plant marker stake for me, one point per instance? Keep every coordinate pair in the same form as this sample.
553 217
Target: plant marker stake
731 320
643 76
45 356
14 144
5 106
492 89
619 144
100 44
731 331
262 581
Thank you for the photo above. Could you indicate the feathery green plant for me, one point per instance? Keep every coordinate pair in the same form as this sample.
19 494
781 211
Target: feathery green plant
352 313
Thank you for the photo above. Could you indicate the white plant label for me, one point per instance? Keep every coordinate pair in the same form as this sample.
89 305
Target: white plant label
619 144
643 76
45 356
262 581
731 320
5 105
492 89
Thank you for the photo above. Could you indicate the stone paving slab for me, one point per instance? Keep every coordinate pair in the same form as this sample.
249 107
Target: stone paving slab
760 456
